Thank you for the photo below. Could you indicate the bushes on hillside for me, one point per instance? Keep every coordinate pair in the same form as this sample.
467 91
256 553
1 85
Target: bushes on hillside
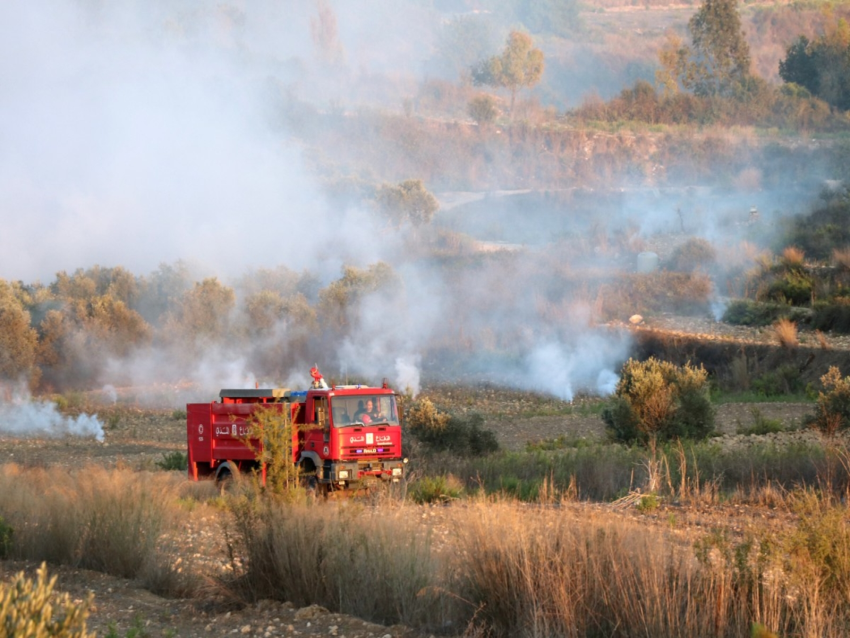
658 401
440 431
826 229
834 315
694 254
743 312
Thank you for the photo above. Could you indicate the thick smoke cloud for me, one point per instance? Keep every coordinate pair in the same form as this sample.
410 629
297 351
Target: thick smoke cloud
145 132
22 415
142 132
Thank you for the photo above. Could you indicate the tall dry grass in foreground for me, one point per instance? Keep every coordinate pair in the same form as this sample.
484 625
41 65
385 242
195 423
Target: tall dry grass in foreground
507 569
484 567
375 563
105 520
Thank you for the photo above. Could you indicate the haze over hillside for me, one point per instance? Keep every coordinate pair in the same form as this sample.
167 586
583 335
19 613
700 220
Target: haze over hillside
173 143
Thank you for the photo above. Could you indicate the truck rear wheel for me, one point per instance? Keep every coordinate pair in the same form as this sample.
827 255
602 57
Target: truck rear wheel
225 478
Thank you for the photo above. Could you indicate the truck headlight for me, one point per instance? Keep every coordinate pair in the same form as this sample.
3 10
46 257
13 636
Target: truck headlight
396 471
342 474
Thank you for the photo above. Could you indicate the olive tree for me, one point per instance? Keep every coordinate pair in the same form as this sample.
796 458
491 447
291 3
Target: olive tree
519 66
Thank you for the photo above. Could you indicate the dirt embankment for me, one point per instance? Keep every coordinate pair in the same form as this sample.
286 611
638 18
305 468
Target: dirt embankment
736 359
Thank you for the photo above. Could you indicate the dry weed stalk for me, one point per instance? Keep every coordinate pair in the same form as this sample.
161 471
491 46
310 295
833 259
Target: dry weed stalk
822 342
786 333
793 257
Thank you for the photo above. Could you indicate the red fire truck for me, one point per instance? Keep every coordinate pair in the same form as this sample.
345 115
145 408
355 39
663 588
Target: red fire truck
354 432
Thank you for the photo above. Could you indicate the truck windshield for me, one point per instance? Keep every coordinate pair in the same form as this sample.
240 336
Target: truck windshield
364 410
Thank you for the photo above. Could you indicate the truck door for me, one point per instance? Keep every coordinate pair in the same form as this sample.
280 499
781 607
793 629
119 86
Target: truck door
320 416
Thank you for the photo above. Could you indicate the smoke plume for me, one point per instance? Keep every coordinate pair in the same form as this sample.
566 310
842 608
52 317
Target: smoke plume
23 416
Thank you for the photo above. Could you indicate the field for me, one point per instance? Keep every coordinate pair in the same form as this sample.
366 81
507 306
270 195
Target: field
202 558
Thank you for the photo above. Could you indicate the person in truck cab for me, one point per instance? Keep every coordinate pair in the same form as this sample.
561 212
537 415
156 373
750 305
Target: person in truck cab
375 412
363 411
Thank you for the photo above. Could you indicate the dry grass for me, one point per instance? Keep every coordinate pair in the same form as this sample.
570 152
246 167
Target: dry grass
793 257
547 574
376 564
786 333
106 520
497 567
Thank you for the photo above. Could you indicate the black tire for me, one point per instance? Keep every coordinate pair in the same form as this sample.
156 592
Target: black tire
224 481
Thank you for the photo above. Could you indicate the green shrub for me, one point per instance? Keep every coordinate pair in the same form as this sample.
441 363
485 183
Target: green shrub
833 315
648 503
761 424
179 415
436 489
440 431
31 609
826 229
173 461
832 414
482 109
793 287
783 380
658 401
743 312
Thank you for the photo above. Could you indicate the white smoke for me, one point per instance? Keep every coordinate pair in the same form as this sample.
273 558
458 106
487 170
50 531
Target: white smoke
110 393
23 416
589 364
407 372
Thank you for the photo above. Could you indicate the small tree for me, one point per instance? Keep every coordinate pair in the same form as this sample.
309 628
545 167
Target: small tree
408 201
18 340
271 427
519 66
832 414
721 55
658 401
822 66
440 431
718 60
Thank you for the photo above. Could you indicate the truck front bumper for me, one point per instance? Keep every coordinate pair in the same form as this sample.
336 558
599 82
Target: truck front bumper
352 471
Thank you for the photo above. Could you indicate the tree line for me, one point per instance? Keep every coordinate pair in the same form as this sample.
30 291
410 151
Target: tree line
67 334
708 79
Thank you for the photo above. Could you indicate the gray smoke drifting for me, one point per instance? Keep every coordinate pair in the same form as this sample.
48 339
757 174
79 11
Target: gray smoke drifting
144 132
23 416
563 369
150 131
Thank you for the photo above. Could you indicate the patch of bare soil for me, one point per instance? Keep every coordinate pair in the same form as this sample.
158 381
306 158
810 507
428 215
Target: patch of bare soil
121 606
